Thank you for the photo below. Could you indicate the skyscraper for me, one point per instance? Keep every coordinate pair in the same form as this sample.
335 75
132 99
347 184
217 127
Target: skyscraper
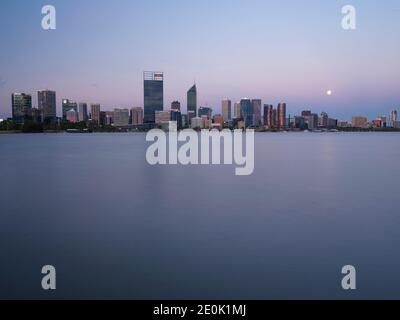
247 111
47 105
238 113
121 117
205 111
67 106
83 112
226 110
269 119
72 116
21 106
282 116
257 111
95 112
137 116
153 83
192 101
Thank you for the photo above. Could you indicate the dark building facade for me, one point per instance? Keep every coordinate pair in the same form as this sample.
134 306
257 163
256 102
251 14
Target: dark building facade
67 106
47 105
192 101
153 83
21 106
247 110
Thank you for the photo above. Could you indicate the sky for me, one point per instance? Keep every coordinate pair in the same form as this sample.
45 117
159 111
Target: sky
277 50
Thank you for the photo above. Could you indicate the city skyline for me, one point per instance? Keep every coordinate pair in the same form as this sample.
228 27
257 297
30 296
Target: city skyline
229 56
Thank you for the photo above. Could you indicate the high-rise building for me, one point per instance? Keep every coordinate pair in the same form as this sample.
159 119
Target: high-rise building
72 116
47 105
176 116
269 122
121 117
282 116
312 121
359 122
257 111
393 116
66 106
247 111
323 120
21 106
226 110
205 111
83 112
108 118
192 101
162 117
153 83
95 113
176 105
238 113
137 116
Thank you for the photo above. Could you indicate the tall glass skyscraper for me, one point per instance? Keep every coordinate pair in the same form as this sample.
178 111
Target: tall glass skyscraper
21 106
67 106
153 83
192 100
247 110
47 105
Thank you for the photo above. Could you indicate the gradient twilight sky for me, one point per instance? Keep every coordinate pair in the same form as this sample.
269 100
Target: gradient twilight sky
277 50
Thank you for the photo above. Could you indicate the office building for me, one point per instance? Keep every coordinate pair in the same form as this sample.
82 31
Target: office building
67 106
83 112
192 101
205 111
257 111
247 111
153 83
359 122
72 116
47 105
281 116
21 106
95 111
237 110
136 116
227 110
121 117
162 117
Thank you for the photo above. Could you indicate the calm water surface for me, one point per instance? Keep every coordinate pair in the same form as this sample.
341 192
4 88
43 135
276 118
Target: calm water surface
115 227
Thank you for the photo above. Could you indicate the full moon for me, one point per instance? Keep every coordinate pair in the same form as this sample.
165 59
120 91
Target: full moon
329 92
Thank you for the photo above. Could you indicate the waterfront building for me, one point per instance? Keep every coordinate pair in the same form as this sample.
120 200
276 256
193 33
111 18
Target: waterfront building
205 111
21 106
226 110
95 111
281 116
67 106
192 101
153 84
257 104
121 117
72 116
247 111
47 105
176 116
359 122
136 116
108 118
162 117
237 110
83 112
